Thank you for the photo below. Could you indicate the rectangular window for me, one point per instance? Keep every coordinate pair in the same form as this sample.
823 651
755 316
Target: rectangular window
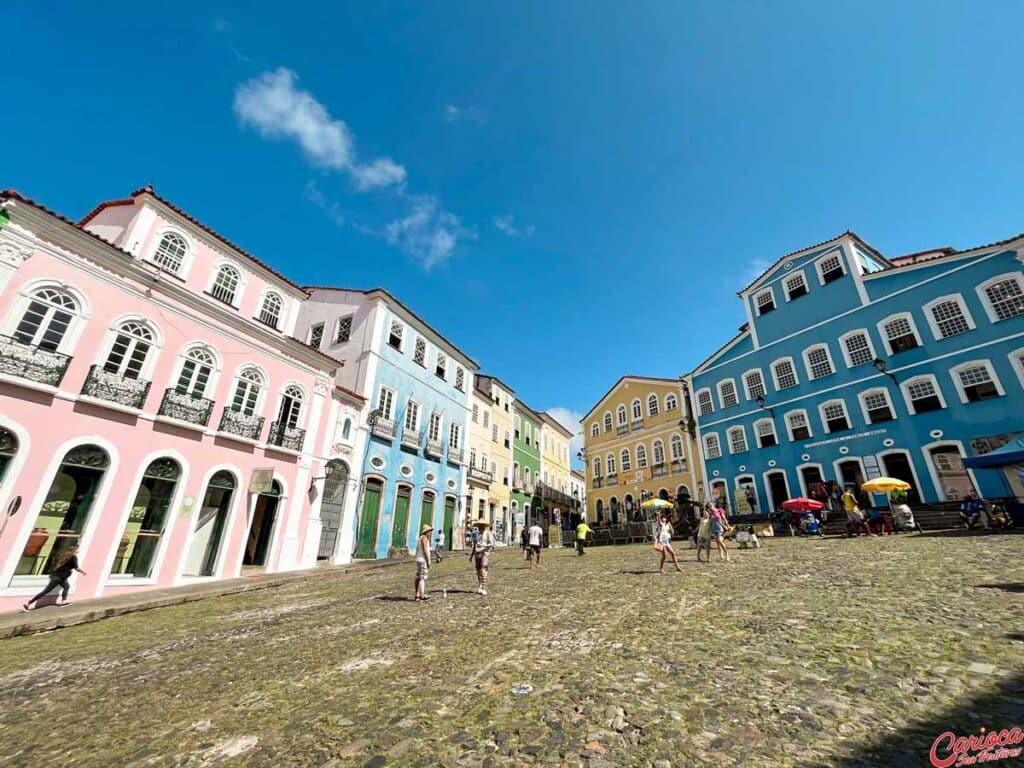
518 427
494 432
344 332
419 352
454 437
785 374
900 334
487 419
460 379
386 402
831 269
441 367
858 349
476 413
876 404
765 302
977 383
316 335
835 417
923 396
395 335
508 439
796 286
412 416
818 362
434 430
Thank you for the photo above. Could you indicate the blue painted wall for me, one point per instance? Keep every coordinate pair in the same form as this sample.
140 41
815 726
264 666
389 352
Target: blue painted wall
823 316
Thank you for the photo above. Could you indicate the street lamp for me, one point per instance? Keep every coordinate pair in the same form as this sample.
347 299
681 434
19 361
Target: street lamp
761 405
328 471
880 366
371 418
689 426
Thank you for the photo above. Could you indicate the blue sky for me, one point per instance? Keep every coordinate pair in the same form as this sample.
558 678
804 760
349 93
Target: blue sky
571 191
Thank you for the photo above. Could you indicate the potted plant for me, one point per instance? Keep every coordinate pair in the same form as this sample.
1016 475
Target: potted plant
36 540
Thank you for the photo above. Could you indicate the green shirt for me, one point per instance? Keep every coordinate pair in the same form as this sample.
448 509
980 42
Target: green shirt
582 530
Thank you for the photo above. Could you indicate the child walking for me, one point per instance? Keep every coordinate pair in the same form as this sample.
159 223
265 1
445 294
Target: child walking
704 536
59 578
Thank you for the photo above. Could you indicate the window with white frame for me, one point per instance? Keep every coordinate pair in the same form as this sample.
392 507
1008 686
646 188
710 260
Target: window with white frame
595 472
1003 296
819 362
737 440
290 411
784 373
248 389
460 378
857 348
441 366
798 425
316 335
796 286
494 431
434 427
518 426
595 430
170 253
196 372
527 475
386 403
753 383
638 412
923 394
419 352
130 350
610 463
454 437
641 456
475 414
876 406
46 319
344 330
712 448
225 284
487 418
704 402
676 447
607 421
727 393
270 310
412 416
976 381
765 431
1017 361
620 415
899 333
395 335
830 268
948 316
671 402
658 452
834 416
764 302
652 405
624 460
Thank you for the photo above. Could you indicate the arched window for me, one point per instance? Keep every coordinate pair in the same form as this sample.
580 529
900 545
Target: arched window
596 467
712 448
527 475
147 520
624 460
225 284
652 405
637 409
8 450
270 312
671 403
727 393
641 456
595 430
131 347
196 372
291 407
170 253
247 391
737 440
658 448
610 462
704 403
620 414
346 429
46 319
676 447
607 421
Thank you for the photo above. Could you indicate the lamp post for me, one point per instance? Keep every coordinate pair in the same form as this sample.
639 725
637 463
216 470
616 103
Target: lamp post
763 407
328 471
881 366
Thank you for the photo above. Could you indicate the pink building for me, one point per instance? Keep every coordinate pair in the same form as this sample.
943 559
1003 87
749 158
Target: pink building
154 409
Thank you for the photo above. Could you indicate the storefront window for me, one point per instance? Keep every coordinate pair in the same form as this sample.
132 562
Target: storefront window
136 552
8 448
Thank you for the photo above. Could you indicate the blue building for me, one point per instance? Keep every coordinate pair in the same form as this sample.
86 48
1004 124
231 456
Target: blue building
418 386
852 365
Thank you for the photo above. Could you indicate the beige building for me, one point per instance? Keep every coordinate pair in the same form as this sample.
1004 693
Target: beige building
635 448
489 468
555 469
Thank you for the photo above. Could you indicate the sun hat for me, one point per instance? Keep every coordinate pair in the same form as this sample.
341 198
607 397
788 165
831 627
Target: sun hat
426 528
481 524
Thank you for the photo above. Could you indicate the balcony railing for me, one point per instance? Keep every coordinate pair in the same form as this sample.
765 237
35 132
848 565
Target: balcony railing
185 407
637 424
107 385
528 489
384 428
27 361
237 423
678 465
622 429
517 484
659 470
284 436
612 478
410 438
434 448
455 455
553 494
598 482
483 475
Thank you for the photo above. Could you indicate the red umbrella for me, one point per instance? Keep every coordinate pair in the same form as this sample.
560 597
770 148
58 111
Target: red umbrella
802 505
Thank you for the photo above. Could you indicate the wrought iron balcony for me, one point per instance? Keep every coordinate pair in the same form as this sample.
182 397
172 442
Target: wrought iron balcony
107 385
659 470
528 489
27 361
384 428
434 448
612 478
237 423
598 482
553 494
517 484
284 436
637 424
455 455
622 429
185 407
483 475
411 438
678 465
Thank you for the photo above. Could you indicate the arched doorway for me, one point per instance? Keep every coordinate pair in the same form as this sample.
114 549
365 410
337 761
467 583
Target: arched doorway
261 532
400 521
449 521
663 494
813 482
953 482
627 502
778 488
613 502
427 511
366 542
599 510
332 507
720 493
746 496
8 449
897 464
851 473
65 511
210 524
137 549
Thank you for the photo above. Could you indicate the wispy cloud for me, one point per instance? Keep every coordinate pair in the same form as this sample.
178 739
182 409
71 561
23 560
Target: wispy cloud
428 233
221 25
507 224
278 110
333 210
570 419
453 112
753 271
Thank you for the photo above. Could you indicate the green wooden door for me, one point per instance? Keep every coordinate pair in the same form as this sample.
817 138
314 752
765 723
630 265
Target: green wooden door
400 529
427 515
449 522
367 542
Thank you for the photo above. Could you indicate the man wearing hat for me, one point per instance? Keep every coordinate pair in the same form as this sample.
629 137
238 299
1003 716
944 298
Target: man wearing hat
481 554
422 563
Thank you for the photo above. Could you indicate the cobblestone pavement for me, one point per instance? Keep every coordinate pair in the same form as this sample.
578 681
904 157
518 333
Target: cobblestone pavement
805 653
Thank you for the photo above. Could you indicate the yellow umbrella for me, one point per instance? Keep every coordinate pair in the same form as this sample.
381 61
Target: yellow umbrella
885 484
656 504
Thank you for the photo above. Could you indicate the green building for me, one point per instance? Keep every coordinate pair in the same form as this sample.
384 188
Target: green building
526 502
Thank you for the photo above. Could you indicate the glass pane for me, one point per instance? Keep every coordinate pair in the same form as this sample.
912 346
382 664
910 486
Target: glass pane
136 551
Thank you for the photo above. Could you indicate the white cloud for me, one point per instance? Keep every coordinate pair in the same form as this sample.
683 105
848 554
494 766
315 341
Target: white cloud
570 420
428 233
333 210
453 112
273 105
753 270
221 25
507 224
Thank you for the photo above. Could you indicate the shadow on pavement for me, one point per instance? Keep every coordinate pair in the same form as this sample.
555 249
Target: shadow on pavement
959 533
1017 586
393 599
911 745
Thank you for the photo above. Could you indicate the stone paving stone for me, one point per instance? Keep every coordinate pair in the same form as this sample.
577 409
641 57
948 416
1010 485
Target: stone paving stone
801 653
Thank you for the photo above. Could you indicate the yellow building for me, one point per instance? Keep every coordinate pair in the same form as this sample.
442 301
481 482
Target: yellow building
555 470
489 469
635 448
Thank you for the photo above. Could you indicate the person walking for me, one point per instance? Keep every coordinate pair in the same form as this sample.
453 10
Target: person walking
524 542
704 536
439 547
483 545
67 565
719 525
855 522
581 537
422 564
663 542
536 542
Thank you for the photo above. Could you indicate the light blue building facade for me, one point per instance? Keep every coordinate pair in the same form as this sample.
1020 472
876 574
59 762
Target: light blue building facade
418 387
852 365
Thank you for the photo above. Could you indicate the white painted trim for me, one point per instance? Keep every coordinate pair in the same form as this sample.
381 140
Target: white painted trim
838 476
728 437
840 254
746 384
239 492
905 385
933 325
954 372
761 292
768 487
806 354
1017 363
980 289
880 456
824 421
933 471
711 401
846 352
718 444
721 397
786 287
888 399
186 261
775 378
789 428
757 435
800 475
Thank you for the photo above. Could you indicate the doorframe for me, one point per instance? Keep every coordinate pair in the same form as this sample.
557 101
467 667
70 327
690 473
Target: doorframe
910 460
926 450
768 485
394 509
839 475
753 482
181 578
361 500
349 491
800 476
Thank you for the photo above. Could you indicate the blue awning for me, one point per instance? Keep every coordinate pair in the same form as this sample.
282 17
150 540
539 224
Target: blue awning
1011 453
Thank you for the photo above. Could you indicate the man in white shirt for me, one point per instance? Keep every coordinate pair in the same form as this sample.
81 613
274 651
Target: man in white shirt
536 534
439 547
